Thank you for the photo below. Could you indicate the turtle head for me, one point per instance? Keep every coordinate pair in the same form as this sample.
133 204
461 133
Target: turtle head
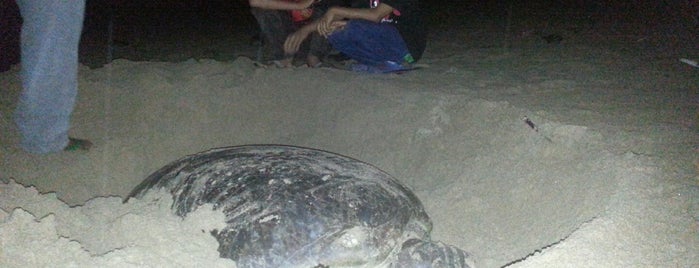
421 253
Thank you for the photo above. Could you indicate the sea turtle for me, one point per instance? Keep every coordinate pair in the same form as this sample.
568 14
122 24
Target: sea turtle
289 206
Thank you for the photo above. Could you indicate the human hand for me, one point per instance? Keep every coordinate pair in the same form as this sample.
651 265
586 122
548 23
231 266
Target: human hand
294 40
333 27
325 27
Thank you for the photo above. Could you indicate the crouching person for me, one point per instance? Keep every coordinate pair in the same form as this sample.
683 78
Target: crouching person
381 35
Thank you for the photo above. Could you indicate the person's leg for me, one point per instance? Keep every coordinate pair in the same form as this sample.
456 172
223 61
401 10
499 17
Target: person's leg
50 37
275 26
319 47
370 43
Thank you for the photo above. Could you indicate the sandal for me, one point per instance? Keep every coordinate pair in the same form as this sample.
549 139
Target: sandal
75 144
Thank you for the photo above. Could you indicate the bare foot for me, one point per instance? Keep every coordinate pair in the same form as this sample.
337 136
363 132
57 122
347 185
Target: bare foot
285 63
313 61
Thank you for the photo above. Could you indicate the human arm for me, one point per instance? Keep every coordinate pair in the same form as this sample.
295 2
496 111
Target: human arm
294 40
327 24
281 4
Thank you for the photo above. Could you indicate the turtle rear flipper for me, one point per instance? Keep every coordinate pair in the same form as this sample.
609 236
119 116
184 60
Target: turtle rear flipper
421 253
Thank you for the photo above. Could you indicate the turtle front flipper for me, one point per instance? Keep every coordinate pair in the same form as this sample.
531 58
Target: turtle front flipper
421 253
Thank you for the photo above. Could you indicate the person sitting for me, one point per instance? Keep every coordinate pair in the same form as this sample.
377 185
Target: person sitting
381 35
282 19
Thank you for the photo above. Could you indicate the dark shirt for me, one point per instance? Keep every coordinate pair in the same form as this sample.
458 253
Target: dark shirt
407 17
324 5
320 7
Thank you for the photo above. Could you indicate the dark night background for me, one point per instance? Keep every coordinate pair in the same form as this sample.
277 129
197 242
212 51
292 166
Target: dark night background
176 30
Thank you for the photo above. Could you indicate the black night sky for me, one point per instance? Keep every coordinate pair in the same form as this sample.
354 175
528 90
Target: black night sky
176 30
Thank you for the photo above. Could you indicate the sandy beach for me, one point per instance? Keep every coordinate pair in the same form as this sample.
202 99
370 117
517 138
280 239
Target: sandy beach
580 152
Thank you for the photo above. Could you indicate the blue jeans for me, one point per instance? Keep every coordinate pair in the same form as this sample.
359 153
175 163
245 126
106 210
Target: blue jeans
50 38
371 43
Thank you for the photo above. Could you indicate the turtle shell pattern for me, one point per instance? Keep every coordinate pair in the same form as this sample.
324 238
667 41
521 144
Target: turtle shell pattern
296 207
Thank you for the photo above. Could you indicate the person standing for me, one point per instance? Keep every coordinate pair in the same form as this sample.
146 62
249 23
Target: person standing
49 56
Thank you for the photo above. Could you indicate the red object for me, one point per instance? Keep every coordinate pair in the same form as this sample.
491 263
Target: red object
302 15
